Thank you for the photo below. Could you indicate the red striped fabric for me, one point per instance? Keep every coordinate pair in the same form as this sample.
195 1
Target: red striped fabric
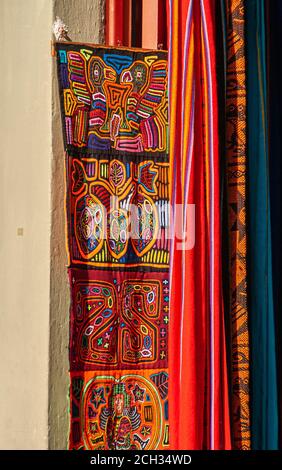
199 410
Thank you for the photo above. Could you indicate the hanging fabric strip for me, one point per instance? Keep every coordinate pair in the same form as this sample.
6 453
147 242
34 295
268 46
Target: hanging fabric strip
114 116
274 39
236 195
199 411
264 402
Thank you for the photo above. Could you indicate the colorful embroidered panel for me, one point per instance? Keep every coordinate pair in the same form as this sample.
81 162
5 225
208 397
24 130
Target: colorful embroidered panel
114 115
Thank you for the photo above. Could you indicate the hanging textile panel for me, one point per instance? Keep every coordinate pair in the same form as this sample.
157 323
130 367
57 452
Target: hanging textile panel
114 116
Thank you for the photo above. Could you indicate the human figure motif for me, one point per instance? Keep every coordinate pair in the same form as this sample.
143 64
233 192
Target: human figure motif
119 419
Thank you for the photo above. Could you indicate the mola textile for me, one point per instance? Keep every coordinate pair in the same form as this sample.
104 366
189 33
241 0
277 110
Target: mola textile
114 115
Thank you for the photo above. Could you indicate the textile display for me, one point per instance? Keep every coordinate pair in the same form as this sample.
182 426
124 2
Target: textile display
114 115
173 233
236 190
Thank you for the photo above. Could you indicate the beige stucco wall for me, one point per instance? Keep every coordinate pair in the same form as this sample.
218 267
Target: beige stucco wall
85 20
25 169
